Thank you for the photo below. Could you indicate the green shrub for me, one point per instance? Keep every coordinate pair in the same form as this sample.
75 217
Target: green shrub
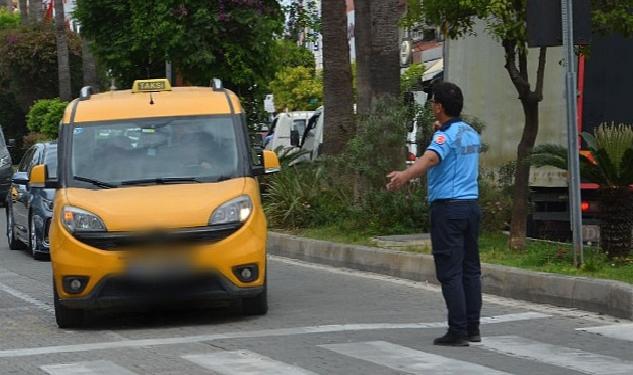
45 115
496 204
8 20
298 197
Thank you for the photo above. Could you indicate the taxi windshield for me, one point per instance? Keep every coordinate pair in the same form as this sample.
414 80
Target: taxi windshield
134 152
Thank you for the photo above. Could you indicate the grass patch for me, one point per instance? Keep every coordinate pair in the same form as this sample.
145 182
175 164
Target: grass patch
538 256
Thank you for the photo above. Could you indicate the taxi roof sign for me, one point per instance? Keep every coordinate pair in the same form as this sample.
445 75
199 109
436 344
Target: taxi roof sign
151 85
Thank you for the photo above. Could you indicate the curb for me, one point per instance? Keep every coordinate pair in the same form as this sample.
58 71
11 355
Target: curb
602 296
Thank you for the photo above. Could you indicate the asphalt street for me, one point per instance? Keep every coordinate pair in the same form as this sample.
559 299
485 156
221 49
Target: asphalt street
322 320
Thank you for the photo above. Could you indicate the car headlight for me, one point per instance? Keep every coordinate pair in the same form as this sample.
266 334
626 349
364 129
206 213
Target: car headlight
234 211
5 160
78 220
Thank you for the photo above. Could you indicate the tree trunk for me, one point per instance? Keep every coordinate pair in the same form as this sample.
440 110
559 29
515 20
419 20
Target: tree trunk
337 78
10 6
377 36
63 63
518 71
23 11
522 175
362 39
35 11
89 65
616 223
385 49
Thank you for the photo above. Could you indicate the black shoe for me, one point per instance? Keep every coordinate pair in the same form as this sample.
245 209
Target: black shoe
474 335
451 339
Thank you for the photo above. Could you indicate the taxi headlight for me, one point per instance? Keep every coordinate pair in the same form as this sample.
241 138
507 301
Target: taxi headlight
234 211
4 161
78 220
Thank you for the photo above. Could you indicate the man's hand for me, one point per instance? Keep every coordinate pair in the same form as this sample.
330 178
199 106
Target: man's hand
396 180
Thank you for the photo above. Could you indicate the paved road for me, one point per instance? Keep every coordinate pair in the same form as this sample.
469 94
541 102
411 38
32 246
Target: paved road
322 320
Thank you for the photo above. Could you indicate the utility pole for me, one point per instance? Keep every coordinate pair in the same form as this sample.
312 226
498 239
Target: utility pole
572 130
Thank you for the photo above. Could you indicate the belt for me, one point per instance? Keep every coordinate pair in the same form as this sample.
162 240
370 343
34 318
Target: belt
454 201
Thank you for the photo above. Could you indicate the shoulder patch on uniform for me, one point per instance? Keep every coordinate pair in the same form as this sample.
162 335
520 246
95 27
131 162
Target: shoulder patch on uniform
440 139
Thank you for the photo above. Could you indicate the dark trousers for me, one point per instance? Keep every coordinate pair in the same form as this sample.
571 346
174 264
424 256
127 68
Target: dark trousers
455 241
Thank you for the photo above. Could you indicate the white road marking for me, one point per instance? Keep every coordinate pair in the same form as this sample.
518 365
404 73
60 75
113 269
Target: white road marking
244 362
23 352
561 356
616 331
86 368
411 361
25 297
423 285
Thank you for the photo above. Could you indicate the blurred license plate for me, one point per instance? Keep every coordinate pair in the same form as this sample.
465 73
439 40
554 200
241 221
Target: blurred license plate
159 265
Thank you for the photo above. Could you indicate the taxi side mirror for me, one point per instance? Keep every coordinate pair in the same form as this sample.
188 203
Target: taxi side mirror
271 162
38 177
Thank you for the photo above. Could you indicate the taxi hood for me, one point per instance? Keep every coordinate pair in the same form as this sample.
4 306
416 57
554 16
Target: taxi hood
156 206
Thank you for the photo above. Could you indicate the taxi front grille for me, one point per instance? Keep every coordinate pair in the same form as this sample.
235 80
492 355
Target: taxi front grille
132 240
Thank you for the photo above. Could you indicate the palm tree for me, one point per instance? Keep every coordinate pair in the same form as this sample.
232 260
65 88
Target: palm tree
377 32
24 14
89 64
63 62
35 11
610 165
338 96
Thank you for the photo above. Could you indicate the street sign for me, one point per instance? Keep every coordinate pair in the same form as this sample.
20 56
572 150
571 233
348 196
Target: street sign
544 23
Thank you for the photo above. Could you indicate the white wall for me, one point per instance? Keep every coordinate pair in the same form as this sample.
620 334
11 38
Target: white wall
476 64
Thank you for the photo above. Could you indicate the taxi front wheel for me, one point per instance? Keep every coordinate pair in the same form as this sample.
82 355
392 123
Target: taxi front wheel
257 305
66 317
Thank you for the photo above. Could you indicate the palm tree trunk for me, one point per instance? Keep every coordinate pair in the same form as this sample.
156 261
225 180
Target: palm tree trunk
377 51
23 11
385 48
89 65
63 63
35 11
616 223
337 78
362 39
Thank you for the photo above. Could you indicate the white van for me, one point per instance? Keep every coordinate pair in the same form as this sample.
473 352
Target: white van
312 137
286 130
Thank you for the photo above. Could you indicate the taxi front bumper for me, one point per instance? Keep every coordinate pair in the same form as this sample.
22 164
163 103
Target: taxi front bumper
213 274
119 291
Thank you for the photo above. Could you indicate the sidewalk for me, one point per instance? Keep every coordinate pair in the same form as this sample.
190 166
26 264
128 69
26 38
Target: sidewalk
602 296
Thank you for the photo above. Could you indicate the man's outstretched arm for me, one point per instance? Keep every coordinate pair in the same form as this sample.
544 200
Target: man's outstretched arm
398 178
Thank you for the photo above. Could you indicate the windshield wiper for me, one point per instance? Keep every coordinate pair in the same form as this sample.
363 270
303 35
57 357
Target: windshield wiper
95 182
161 180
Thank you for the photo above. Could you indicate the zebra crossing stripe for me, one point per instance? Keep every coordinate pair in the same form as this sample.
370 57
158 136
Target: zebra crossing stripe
243 362
560 356
617 331
278 332
86 368
411 361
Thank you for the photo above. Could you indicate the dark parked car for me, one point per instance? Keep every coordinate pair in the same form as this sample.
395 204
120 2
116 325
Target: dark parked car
29 209
6 169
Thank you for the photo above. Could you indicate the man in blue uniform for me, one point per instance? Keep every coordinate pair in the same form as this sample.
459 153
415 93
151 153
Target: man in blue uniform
451 163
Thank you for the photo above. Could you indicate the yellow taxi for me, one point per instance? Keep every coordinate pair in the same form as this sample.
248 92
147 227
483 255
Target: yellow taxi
157 201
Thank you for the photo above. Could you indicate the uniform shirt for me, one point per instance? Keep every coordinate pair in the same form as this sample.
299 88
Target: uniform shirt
455 177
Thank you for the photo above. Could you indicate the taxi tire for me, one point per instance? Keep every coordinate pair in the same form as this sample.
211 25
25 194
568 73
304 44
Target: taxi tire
64 316
257 305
